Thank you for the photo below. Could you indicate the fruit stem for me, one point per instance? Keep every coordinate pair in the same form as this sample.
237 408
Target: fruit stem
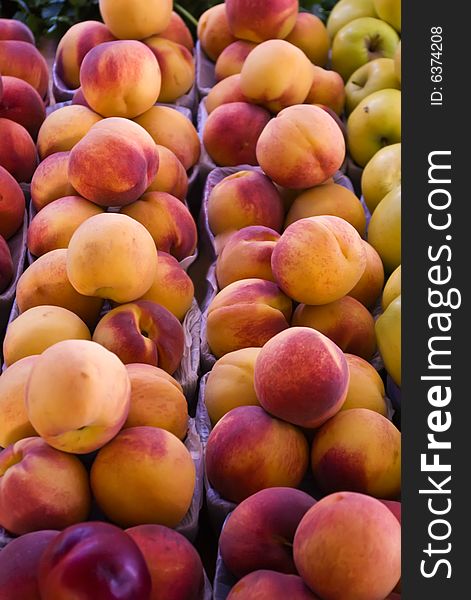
186 14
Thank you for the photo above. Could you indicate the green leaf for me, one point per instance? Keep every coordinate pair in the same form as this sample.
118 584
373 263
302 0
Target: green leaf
51 10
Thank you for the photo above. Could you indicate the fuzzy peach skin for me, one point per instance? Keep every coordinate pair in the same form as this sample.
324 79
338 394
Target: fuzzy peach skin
45 282
73 47
369 546
319 387
327 88
6 265
112 256
270 584
23 60
168 221
213 31
40 327
384 231
171 176
257 20
50 180
243 199
381 175
17 151
120 79
247 254
177 31
388 334
248 451
172 129
172 287
318 260
226 139
232 58
41 488
346 322
14 424
231 383
177 67
83 405
12 205
114 163
259 533
137 20
302 147
155 469
64 128
54 225
358 450
368 289
245 314
157 400
276 74
226 91
174 564
328 199
366 388
392 289
11 29
310 35
142 332
21 103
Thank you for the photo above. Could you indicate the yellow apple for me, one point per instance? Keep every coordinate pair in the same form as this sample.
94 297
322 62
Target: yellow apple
384 231
392 289
381 174
388 335
346 11
397 62
379 74
389 11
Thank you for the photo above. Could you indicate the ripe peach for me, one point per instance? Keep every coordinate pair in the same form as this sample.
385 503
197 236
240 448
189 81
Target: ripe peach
17 150
50 180
11 29
257 20
112 256
41 488
21 103
316 147
226 91
171 176
246 314
177 31
23 60
137 20
270 584
6 265
12 205
154 468
366 388
327 88
310 35
232 58
368 288
213 31
177 67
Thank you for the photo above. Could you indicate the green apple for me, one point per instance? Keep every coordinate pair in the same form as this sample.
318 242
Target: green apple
397 61
392 289
381 175
388 336
379 74
361 41
389 11
346 11
384 230
374 123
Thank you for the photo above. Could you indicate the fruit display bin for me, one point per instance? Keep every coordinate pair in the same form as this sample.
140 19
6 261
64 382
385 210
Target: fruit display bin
205 76
224 581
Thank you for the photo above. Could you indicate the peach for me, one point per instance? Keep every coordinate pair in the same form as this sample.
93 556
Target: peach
248 451
40 327
12 205
154 468
310 35
366 388
45 282
17 150
174 564
157 400
232 58
247 254
346 322
55 224
23 60
246 314
177 67
172 287
257 20
168 221
74 45
327 88
112 256
276 74
231 383
394 507
120 79
226 91
143 332
177 31
243 199
6 265
358 450
213 31
301 377
170 128
171 176
15 425
318 260
302 147
64 128
50 180
226 139
368 288
270 584
83 405
392 289
276 513
41 488
137 20
328 199
21 103
11 29
369 544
